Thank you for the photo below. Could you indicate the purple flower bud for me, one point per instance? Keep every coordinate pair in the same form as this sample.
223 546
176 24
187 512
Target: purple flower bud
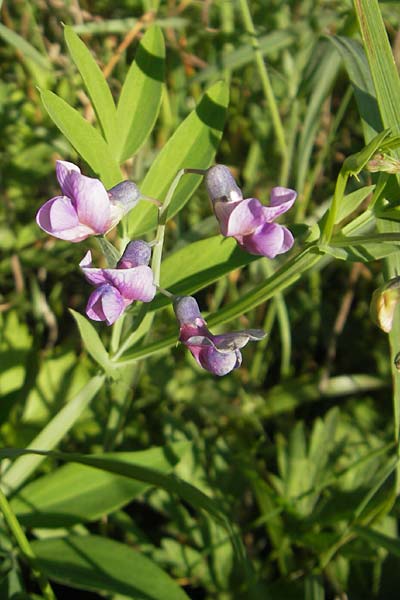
221 185
126 193
219 354
85 207
136 253
247 220
186 309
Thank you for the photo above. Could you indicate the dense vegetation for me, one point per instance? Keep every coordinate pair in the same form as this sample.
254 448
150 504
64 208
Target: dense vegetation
157 479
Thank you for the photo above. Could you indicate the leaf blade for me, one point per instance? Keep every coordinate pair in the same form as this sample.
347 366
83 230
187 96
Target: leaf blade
94 80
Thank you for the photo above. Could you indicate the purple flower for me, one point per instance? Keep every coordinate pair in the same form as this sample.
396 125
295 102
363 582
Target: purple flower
132 279
247 220
85 207
219 354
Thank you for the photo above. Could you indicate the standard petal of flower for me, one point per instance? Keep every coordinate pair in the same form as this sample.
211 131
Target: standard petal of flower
105 304
281 200
219 363
133 284
92 202
239 218
58 217
63 171
220 183
93 275
266 241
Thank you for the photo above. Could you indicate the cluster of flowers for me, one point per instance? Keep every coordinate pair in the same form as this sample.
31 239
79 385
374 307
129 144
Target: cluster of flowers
86 208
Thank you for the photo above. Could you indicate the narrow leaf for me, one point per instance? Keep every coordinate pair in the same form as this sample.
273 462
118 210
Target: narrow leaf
93 78
51 435
86 140
91 340
28 51
140 99
359 74
91 562
76 493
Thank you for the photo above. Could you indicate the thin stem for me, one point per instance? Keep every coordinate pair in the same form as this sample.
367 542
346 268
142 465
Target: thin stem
25 547
151 200
266 85
340 189
116 334
165 292
162 220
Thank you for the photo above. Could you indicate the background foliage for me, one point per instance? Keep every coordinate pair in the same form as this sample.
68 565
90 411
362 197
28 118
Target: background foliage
278 481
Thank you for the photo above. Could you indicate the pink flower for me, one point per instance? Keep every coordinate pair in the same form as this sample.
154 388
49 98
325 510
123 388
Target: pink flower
117 288
247 220
85 207
219 354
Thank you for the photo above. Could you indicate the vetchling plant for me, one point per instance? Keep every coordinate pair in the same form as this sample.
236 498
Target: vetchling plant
129 280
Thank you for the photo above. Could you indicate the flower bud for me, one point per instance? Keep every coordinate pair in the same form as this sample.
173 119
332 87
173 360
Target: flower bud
383 162
126 193
136 253
186 309
221 185
383 304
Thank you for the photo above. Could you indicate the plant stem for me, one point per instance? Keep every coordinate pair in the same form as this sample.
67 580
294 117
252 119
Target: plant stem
25 547
337 197
267 88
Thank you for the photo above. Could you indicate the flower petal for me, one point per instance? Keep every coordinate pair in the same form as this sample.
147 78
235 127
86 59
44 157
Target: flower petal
63 172
237 339
281 200
186 309
136 253
91 201
267 240
133 284
221 184
58 217
219 363
239 218
105 304
288 240
93 275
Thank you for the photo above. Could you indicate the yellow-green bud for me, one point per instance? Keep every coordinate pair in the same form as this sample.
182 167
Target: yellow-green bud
383 304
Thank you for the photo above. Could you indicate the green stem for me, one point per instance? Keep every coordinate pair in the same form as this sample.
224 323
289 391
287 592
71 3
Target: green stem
267 87
337 197
25 547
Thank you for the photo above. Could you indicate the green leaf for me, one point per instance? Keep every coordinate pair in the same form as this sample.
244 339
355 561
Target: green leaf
172 484
352 201
387 90
91 340
28 51
51 435
76 493
359 74
91 562
326 74
193 145
364 252
96 85
140 98
86 140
